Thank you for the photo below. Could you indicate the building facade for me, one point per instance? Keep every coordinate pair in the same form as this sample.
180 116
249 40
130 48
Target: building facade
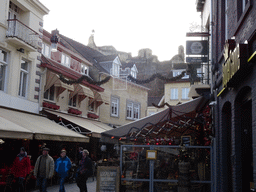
21 27
233 89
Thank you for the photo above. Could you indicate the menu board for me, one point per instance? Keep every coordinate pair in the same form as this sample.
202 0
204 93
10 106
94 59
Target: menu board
108 179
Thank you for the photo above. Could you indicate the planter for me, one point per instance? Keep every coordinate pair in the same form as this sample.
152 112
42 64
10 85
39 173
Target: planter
51 105
74 111
92 115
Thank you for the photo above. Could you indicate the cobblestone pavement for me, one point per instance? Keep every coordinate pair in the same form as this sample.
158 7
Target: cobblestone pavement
91 187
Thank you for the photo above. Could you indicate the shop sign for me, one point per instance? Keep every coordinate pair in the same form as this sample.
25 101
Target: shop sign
235 62
196 59
197 47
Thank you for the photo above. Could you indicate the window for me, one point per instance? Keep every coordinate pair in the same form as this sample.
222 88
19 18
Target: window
91 105
23 78
174 93
185 93
49 94
115 69
3 65
132 110
136 109
114 106
178 72
84 69
46 50
14 11
72 101
65 60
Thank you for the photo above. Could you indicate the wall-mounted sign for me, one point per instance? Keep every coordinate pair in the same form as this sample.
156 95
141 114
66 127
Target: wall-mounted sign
151 154
235 61
196 59
197 47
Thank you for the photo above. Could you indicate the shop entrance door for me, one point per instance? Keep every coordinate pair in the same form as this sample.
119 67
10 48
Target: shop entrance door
157 168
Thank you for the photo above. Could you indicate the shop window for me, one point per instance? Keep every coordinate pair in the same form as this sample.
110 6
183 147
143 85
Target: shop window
23 78
49 94
3 66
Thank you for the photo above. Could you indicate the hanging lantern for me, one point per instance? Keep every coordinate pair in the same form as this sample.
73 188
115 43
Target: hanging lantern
103 148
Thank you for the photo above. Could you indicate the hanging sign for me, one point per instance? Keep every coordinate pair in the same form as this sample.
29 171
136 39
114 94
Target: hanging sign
197 47
196 59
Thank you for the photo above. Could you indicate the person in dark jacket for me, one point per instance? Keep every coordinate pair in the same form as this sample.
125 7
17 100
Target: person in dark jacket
62 166
84 171
21 168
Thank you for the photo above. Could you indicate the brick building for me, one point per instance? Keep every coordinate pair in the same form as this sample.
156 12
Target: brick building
232 26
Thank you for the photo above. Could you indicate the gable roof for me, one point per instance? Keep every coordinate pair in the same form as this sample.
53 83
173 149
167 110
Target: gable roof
87 52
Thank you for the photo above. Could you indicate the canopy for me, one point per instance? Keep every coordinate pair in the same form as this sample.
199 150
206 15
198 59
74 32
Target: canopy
92 126
11 130
41 127
175 120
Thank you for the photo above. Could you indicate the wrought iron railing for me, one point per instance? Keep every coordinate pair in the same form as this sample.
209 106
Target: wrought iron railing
22 32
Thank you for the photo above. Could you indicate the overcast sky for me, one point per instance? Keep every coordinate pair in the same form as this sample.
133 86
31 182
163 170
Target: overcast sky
127 25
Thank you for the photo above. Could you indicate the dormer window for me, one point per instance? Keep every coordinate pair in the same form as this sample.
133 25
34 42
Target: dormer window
65 60
178 72
84 69
115 69
46 50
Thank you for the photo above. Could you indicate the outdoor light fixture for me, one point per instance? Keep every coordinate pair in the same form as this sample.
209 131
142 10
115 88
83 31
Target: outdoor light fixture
54 42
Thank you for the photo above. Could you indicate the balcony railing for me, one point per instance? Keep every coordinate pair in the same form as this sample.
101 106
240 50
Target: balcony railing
22 32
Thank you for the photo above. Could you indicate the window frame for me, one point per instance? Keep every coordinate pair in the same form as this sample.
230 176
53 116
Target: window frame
176 94
72 102
130 110
64 58
3 65
48 55
116 102
23 73
48 92
186 89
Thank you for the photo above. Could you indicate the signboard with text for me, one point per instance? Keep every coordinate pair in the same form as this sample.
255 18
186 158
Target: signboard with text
108 179
196 59
197 47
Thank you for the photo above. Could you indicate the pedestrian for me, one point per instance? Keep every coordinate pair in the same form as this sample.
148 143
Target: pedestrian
62 166
44 169
84 171
21 168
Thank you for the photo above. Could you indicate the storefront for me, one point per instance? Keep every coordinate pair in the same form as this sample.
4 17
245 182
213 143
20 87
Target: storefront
167 151
33 131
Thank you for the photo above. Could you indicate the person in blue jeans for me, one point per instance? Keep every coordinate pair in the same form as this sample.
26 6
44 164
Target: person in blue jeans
62 166
44 169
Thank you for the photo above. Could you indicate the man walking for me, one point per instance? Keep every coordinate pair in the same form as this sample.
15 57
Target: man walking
62 166
44 169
